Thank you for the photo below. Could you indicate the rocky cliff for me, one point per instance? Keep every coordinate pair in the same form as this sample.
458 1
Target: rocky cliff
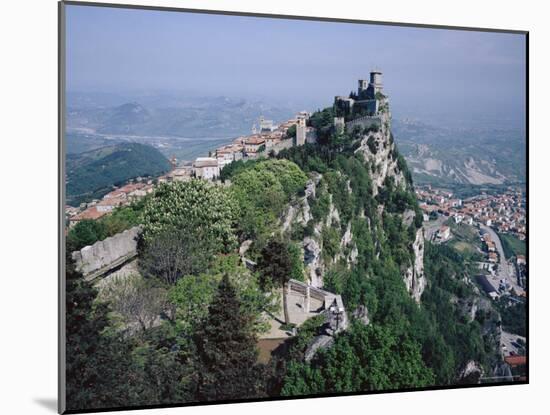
378 147
335 205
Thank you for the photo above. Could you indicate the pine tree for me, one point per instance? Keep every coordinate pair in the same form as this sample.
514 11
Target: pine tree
275 266
226 348
98 367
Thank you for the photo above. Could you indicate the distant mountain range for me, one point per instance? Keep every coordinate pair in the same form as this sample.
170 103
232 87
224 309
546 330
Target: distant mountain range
213 117
92 174
190 126
472 156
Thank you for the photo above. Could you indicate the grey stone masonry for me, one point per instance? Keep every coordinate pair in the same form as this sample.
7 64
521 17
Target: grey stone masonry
364 122
333 306
102 257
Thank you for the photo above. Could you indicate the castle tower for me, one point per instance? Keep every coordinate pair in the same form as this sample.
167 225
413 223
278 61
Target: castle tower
363 85
301 131
375 85
376 79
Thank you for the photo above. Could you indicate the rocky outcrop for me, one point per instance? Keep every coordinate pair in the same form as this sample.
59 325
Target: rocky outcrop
299 211
378 149
333 215
470 373
362 314
313 262
414 278
320 342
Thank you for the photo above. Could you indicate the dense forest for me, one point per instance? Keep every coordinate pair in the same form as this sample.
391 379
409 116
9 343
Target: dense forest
186 329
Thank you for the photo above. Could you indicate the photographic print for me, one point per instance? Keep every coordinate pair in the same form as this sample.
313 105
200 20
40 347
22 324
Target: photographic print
265 207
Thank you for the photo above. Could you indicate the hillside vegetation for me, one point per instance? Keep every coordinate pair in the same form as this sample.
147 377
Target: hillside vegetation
92 174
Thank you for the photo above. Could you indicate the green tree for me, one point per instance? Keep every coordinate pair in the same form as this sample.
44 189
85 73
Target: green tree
98 364
364 358
226 350
297 261
261 198
276 267
291 177
193 293
176 252
84 233
192 205
291 132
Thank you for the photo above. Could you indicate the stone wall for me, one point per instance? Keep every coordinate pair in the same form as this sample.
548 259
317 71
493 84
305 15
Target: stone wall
108 255
281 145
364 122
327 298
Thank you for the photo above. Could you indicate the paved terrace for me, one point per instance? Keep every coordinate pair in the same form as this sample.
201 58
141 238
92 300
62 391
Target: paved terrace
304 302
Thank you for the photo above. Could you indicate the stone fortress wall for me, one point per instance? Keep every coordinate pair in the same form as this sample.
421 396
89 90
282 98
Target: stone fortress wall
116 254
365 122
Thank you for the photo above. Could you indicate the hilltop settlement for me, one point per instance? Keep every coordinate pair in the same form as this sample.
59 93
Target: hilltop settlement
297 260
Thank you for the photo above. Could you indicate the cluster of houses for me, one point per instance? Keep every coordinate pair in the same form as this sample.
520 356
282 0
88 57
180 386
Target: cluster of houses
504 212
490 247
119 197
266 139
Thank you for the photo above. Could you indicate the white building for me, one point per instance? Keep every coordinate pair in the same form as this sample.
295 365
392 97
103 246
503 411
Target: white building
443 233
206 168
266 126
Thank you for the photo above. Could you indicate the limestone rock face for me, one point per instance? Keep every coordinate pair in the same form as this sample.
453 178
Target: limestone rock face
303 215
333 216
320 342
289 217
245 246
414 278
299 211
470 373
378 149
362 314
313 262
311 185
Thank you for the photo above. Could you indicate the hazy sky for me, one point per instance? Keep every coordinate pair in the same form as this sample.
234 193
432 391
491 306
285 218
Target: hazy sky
425 70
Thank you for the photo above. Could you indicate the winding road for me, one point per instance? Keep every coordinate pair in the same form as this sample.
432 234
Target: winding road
504 269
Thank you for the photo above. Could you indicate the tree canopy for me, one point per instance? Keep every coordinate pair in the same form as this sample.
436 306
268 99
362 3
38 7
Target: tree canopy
195 204
226 347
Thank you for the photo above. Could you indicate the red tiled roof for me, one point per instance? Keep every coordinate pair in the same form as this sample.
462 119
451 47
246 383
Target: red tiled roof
515 360
90 213
255 140
112 201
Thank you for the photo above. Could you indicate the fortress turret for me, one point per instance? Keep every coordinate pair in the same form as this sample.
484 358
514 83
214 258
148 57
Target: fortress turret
376 79
369 90
363 85
367 101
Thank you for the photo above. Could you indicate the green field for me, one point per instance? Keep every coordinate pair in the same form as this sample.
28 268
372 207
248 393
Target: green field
465 238
512 246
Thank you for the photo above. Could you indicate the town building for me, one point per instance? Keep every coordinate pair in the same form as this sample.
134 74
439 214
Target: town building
443 233
91 213
253 145
301 131
206 168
